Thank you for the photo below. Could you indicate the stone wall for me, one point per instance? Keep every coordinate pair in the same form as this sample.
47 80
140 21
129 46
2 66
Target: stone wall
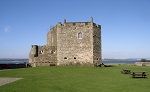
46 56
142 63
69 43
72 49
52 37
97 44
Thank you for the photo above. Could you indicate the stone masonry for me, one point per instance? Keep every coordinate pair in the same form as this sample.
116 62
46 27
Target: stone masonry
69 43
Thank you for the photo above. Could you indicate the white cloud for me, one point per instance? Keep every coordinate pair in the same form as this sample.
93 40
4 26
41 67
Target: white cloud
7 29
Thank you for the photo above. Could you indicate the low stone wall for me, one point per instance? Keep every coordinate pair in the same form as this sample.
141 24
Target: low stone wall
142 63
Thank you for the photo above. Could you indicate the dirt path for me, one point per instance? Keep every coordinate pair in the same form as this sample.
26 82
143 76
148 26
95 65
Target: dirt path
6 80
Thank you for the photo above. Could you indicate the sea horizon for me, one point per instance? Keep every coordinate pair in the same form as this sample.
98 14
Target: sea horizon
105 61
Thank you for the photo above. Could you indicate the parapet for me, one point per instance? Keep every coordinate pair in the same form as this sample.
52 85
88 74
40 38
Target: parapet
72 24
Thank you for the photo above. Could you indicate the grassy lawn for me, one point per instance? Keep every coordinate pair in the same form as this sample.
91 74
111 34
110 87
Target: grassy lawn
75 79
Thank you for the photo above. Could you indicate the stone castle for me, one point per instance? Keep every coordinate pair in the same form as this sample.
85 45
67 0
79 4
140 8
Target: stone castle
69 43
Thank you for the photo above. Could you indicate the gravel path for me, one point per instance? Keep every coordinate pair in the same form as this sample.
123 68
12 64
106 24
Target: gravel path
4 80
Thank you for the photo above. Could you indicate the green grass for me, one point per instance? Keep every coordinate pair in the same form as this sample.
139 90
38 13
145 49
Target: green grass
75 79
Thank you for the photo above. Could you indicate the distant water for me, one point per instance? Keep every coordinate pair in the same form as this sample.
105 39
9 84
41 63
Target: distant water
13 61
105 61
119 61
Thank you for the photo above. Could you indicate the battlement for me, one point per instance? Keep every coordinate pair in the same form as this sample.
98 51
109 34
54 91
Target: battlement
78 24
71 24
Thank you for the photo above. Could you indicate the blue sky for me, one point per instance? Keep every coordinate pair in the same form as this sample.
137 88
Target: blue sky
125 24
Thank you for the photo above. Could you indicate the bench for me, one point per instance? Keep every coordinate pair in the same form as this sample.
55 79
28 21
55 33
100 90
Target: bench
126 71
139 74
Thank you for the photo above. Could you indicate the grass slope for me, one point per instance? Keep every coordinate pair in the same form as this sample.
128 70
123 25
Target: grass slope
75 79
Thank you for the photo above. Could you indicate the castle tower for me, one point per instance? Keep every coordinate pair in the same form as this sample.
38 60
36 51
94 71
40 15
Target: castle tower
71 43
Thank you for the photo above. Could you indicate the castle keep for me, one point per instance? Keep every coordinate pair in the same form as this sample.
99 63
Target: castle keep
69 43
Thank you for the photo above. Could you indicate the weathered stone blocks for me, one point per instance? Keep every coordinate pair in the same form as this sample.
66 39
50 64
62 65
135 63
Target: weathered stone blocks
70 43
